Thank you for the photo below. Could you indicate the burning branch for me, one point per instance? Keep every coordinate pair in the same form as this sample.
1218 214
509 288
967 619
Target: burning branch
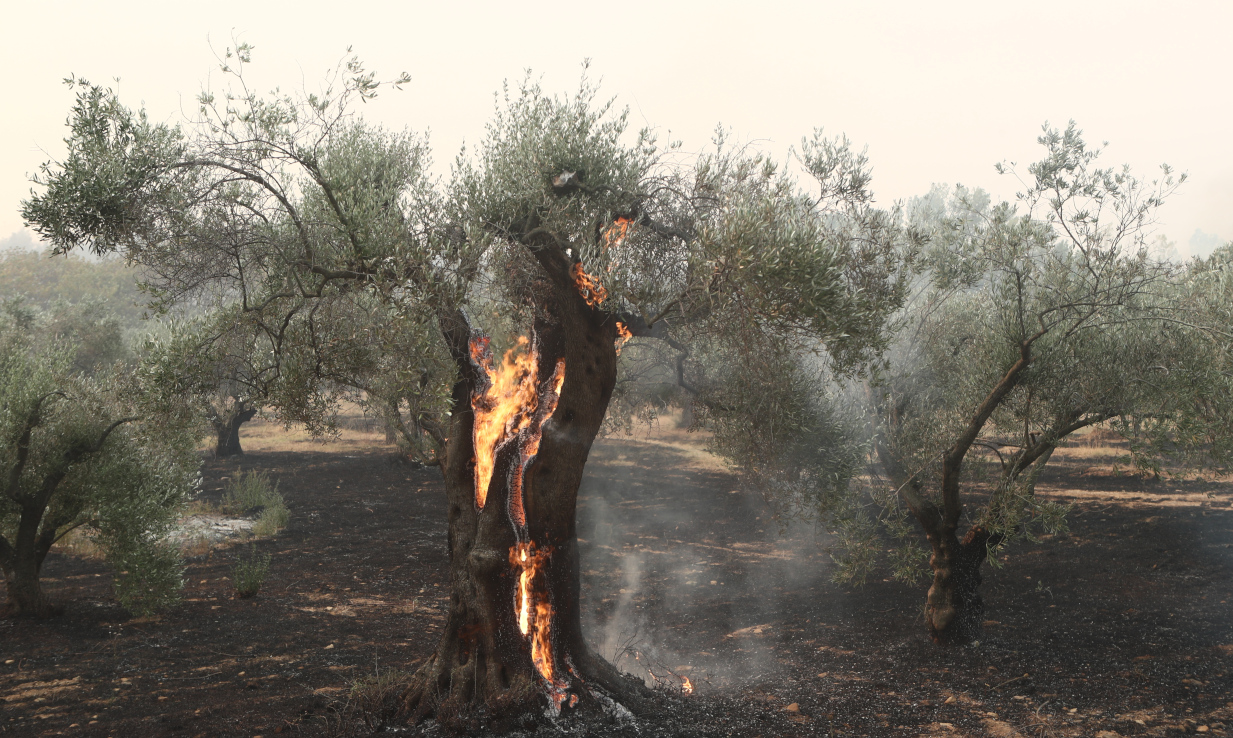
623 335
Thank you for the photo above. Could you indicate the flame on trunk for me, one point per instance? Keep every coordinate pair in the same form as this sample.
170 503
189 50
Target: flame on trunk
514 407
529 440
535 614
504 408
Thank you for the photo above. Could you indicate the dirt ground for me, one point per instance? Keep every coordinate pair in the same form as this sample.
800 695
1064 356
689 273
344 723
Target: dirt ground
1121 627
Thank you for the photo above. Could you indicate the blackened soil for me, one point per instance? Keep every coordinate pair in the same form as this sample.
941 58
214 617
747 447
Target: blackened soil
1124 625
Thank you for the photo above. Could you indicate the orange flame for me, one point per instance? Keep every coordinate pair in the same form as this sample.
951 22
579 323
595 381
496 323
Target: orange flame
534 613
504 409
535 618
589 287
615 233
687 686
623 335
531 437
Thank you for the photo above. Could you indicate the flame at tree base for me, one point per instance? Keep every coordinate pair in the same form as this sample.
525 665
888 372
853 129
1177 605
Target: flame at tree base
534 612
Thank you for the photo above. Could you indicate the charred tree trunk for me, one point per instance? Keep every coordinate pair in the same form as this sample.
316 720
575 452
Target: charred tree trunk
954 610
227 429
488 668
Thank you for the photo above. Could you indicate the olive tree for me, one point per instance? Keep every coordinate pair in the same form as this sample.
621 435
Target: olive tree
87 451
500 298
1028 323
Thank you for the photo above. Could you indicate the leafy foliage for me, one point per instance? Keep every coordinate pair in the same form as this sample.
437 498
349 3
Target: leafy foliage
248 574
338 268
88 449
43 281
1027 324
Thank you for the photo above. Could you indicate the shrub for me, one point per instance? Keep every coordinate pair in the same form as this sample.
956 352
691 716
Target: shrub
248 574
249 492
372 701
271 520
253 492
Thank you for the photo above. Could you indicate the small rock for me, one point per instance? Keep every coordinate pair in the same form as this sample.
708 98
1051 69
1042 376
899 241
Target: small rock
329 646
950 700
1108 734
794 707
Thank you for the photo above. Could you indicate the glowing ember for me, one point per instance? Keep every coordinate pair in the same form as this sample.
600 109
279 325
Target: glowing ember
623 335
589 287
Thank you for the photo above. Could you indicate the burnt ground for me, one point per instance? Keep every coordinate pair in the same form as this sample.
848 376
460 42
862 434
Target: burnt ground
1123 625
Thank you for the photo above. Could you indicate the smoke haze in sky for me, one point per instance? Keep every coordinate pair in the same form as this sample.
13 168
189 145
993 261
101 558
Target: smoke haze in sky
938 91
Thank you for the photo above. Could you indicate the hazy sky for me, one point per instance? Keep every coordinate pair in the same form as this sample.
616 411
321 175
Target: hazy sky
938 91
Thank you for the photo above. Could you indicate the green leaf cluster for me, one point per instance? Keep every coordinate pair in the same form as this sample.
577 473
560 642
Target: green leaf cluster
92 451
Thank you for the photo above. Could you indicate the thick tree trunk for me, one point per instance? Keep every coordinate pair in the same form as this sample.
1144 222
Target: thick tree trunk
228 432
25 593
497 665
954 609
23 561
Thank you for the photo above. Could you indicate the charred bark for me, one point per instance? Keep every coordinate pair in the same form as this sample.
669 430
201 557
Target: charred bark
954 610
484 670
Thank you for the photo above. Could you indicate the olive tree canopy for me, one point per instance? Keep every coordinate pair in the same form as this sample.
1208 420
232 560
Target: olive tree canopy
1028 323
86 448
558 238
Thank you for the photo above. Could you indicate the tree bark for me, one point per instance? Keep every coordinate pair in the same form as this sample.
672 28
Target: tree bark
954 610
485 671
25 593
22 563
228 431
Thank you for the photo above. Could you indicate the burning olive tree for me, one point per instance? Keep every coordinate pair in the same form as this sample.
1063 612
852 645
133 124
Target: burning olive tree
488 312
1029 324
